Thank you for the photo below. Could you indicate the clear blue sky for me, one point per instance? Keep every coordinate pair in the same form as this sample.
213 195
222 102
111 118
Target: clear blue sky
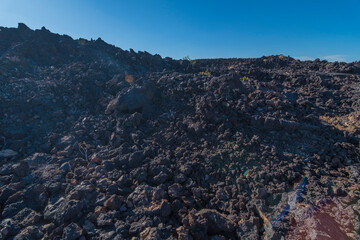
202 29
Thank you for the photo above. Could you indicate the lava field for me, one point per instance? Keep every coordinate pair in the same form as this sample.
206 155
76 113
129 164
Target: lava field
101 143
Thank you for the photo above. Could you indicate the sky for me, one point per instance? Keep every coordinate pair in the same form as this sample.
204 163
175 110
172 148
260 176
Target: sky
202 29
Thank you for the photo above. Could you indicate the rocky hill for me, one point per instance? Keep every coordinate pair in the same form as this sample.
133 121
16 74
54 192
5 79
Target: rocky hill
101 143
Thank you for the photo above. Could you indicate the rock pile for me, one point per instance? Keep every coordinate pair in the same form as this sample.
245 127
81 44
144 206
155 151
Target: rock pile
101 143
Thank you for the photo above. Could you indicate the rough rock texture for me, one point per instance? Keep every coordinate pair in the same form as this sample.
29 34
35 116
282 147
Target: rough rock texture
101 143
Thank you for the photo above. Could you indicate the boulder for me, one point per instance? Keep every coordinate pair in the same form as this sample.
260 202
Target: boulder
133 100
72 232
217 223
208 222
62 210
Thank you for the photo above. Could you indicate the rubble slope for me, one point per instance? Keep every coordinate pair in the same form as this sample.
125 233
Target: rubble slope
102 143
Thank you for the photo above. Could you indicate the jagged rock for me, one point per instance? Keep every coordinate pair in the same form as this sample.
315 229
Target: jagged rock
8 228
247 230
12 209
183 234
72 232
89 228
217 223
27 217
20 169
30 232
208 221
159 194
135 99
113 203
62 210
150 233
65 167
136 159
104 220
6 192
175 190
138 227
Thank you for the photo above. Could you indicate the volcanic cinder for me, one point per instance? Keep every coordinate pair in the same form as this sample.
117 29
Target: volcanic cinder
101 143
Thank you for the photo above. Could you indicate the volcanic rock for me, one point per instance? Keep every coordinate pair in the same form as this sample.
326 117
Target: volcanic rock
101 143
